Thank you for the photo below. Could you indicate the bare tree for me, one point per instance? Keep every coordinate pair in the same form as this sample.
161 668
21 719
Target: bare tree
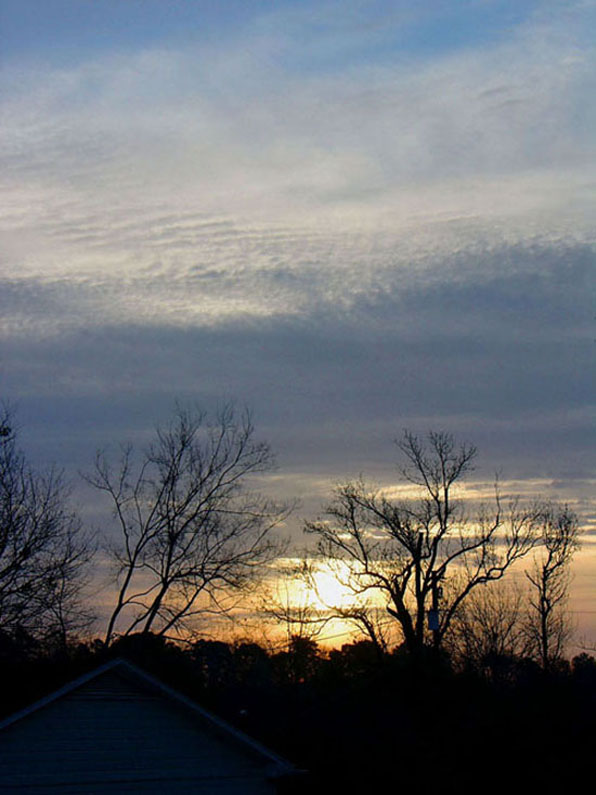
489 626
548 625
43 551
283 603
309 614
191 530
410 551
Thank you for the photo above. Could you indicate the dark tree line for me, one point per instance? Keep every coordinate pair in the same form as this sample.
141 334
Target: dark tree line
357 721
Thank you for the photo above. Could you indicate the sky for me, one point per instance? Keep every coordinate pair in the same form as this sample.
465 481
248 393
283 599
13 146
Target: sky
353 217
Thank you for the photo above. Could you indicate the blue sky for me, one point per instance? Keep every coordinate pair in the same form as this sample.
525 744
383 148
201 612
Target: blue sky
62 30
355 217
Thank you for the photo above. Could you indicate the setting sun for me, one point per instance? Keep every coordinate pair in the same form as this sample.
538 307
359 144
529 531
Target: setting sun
315 585
316 594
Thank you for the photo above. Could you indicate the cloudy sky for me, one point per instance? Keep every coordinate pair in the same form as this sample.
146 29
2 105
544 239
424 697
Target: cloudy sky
354 217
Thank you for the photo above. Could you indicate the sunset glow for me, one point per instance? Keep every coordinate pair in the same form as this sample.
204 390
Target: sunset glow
325 588
352 218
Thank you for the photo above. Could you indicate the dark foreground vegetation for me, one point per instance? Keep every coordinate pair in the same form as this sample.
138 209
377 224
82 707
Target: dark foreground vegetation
358 720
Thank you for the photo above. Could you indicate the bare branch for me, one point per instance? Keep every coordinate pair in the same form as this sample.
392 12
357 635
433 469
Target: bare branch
190 524
411 550
43 551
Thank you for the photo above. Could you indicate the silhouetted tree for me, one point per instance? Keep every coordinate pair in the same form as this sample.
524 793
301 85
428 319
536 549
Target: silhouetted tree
584 668
252 665
357 660
368 623
43 551
406 551
192 532
299 663
548 624
488 628
286 601
214 663
295 601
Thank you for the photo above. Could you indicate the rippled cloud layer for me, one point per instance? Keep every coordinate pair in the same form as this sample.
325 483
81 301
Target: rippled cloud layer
350 221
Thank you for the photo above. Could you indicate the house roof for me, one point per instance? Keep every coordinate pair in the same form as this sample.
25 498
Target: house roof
118 728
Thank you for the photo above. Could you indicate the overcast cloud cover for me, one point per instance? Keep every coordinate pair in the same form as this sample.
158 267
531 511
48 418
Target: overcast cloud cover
354 217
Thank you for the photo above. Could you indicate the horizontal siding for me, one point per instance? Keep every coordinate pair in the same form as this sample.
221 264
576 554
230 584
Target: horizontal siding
112 736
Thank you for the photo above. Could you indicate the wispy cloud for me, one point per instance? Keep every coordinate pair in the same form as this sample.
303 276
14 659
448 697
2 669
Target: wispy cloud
322 214
190 173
